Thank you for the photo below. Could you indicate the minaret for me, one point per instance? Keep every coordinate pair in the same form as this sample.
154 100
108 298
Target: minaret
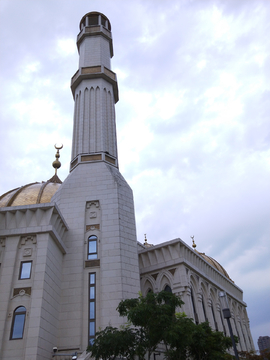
100 267
95 91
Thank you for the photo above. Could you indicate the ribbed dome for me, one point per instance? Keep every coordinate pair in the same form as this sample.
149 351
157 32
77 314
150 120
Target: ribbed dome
35 193
214 263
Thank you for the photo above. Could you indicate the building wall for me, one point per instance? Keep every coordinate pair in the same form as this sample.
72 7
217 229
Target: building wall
30 233
96 200
176 265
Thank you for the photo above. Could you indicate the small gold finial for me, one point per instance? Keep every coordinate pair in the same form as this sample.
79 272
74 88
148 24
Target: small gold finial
193 242
145 240
56 164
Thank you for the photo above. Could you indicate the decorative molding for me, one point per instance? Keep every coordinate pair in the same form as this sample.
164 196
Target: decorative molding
75 162
154 276
91 157
27 252
92 227
176 253
24 239
92 263
188 290
93 202
109 159
172 271
22 291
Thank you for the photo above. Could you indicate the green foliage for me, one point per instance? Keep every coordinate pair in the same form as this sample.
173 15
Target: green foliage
112 342
153 320
252 355
152 315
208 344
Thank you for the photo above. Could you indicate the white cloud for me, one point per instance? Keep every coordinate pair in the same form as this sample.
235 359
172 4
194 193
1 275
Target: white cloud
66 47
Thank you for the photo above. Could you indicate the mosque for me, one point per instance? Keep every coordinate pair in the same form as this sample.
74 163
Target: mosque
68 251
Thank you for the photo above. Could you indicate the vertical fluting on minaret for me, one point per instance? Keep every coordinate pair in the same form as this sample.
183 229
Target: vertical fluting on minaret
95 91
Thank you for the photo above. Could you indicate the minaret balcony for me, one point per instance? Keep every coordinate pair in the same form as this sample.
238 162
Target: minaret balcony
93 72
93 157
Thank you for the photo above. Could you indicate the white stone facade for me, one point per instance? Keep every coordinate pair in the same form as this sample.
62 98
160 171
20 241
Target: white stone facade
31 233
198 283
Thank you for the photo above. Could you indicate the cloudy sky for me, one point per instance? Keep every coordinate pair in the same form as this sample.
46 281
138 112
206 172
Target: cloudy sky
192 120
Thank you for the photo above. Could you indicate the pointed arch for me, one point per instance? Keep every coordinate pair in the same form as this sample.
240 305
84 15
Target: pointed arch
74 137
85 122
164 278
148 286
212 302
193 291
98 121
203 294
78 122
92 120
165 282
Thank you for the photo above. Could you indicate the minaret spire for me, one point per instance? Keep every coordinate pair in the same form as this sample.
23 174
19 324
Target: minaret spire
95 91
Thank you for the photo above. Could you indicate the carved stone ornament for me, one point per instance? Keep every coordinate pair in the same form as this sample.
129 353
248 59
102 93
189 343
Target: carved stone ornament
93 214
29 238
172 271
27 252
22 291
92 227
90 203
3 242
155 276
188 290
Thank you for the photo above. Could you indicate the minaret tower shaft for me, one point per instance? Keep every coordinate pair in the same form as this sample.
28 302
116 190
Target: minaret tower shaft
100 266
95 91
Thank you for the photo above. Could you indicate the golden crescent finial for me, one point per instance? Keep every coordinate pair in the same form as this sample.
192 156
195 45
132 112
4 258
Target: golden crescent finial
58 148
193 242
56 164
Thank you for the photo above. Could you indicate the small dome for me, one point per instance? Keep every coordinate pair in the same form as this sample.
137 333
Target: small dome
215 264
35 193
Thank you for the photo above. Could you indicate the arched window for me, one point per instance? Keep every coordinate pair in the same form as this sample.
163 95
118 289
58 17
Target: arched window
203 308
213 314
193 306
18 323
222 322
167 288
92 247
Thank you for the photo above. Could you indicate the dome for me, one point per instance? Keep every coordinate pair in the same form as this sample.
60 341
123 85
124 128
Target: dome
35 193
211 261
215 264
